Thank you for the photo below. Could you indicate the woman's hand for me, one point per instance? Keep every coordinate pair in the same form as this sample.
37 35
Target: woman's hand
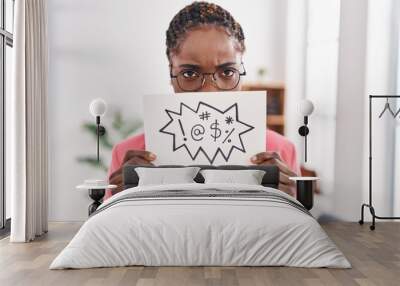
132 157
273 158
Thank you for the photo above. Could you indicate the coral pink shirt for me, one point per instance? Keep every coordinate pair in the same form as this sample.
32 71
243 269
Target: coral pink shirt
275 142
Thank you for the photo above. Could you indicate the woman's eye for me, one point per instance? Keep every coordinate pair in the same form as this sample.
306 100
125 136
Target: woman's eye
228 73
190 74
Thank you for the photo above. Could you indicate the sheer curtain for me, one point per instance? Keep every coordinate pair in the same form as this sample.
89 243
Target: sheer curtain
320 86
396 158
28 122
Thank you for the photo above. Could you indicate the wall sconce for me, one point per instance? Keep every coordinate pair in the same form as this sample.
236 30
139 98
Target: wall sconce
306 108
98 108
305 189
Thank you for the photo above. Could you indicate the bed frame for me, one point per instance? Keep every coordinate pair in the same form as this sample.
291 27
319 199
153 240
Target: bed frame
270 179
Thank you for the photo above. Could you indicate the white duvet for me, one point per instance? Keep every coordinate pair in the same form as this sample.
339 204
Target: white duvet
200 231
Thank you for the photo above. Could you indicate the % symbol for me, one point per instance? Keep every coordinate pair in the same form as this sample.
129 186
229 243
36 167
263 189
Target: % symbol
227 136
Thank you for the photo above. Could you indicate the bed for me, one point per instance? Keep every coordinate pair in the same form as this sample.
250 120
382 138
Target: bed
201 224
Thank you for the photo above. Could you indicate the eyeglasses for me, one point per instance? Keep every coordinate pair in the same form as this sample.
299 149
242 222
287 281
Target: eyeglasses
224 78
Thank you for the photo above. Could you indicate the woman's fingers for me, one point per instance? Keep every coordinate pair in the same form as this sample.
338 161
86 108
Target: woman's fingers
146 155
272 158
138 161
116 177
290 190
117 189
281 165
286 185
284 179
264 156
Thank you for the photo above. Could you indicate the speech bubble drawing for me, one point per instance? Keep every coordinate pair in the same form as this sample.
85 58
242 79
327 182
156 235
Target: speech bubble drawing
206 130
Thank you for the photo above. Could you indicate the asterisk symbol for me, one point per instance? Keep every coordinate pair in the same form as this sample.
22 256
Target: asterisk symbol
229 120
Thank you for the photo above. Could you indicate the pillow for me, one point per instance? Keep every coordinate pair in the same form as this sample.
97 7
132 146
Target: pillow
248 177
162 176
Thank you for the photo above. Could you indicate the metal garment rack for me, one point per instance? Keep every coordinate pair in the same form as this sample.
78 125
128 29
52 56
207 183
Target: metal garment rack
369 205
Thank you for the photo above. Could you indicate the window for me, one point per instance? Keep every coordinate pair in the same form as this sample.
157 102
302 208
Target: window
6 60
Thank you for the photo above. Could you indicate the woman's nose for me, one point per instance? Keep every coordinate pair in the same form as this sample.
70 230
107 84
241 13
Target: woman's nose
209 84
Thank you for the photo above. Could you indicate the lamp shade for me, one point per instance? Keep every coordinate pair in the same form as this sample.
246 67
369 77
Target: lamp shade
98 107
306 107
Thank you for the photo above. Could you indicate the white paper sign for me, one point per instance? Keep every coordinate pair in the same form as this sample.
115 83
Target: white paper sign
212 128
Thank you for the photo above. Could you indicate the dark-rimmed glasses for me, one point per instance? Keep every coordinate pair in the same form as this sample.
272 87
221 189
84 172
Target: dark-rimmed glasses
224 78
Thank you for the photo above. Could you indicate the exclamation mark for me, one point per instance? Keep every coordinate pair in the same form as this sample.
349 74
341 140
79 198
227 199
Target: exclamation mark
183 131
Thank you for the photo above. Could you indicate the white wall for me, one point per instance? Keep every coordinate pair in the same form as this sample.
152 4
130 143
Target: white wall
116 50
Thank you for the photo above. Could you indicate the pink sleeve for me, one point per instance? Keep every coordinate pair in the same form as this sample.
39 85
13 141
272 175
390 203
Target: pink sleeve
293 164
115 164
136 142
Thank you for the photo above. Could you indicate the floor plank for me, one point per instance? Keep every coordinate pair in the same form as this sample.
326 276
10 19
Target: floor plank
374 255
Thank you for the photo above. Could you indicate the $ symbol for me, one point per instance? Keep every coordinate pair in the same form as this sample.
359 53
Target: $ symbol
217 131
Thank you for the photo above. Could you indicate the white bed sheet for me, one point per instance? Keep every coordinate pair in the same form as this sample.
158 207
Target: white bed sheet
200 231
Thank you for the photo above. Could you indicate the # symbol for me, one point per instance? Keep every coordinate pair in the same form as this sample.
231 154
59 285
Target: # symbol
217 131
205 115
197 132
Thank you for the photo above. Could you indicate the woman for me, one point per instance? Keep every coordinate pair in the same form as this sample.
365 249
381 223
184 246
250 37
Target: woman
205 46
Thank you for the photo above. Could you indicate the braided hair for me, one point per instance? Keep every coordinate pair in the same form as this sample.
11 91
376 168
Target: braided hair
196 15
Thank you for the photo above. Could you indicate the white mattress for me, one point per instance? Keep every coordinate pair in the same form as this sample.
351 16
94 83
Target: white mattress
183 231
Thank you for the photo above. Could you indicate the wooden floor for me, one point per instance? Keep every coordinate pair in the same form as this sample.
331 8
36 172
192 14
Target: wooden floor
374 255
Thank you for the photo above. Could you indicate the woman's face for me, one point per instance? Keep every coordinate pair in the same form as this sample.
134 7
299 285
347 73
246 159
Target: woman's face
206 50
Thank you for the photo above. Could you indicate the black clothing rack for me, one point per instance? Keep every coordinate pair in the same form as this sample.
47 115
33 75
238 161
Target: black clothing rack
369 205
